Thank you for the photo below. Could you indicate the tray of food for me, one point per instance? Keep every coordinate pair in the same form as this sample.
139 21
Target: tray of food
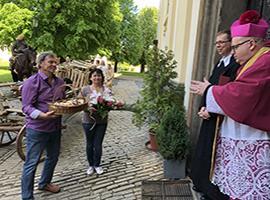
68 106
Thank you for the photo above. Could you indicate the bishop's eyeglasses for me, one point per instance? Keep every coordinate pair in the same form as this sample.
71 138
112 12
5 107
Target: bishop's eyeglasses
235 47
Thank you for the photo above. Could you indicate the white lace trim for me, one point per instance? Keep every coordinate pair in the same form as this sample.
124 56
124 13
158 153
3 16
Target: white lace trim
242 168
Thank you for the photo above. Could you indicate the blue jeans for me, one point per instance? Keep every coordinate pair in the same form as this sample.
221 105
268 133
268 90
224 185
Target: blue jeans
94 139
36 143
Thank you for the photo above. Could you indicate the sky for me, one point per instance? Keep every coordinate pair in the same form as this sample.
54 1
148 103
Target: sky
146 3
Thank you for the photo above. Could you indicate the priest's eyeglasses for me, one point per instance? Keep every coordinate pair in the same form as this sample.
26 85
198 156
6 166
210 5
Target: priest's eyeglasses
221 42
235 47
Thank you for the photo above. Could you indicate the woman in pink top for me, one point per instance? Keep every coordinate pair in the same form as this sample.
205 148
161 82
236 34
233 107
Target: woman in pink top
94 125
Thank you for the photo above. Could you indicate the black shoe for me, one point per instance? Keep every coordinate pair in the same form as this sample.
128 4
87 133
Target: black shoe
204 197
195 189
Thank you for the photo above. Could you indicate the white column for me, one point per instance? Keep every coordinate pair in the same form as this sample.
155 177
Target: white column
193 43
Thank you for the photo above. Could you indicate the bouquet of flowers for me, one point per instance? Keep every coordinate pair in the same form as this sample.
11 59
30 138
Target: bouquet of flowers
103 105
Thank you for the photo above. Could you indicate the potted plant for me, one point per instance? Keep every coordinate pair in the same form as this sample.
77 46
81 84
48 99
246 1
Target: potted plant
159 92
173 142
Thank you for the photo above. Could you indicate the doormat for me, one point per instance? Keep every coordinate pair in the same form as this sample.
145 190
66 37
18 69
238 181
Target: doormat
166 190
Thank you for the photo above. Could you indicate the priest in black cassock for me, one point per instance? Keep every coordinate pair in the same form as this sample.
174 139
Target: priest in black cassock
224 71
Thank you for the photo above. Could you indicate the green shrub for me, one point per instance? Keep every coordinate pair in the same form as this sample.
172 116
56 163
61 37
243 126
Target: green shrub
172 135
159 92
124 68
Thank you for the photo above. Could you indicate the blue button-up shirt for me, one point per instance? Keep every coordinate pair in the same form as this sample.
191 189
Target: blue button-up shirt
36 94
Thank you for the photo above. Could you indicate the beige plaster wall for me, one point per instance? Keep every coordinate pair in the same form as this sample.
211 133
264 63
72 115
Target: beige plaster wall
178 30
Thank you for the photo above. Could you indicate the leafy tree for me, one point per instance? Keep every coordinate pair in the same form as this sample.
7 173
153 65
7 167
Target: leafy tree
79 28
73 27
113 45
148 19
74 31
130 46
13 21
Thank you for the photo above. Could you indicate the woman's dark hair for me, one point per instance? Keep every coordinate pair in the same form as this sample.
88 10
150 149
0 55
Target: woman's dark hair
98 71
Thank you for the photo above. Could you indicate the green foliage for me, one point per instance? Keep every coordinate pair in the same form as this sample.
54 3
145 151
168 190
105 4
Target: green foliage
159 92
132 42
13 21
172 135
124 68
148 18
130 45
79 28
74 27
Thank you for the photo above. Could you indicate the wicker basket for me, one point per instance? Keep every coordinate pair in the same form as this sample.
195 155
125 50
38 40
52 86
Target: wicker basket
68 106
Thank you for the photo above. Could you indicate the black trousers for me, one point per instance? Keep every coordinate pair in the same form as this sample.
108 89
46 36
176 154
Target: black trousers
201 162
94 139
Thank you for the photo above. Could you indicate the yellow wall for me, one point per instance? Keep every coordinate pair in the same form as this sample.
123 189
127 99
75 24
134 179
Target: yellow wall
174 25
178 30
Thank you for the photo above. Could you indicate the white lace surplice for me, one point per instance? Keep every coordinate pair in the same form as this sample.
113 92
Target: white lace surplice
242 165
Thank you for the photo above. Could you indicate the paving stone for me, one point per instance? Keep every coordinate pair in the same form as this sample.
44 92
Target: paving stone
123 188
131 197
106 195
103 185
125 160
123 179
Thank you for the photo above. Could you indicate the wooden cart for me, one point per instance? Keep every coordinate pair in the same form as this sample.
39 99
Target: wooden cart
14 130
12 125
11 121
9 132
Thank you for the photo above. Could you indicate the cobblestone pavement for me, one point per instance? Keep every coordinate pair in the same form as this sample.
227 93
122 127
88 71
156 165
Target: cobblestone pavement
125 159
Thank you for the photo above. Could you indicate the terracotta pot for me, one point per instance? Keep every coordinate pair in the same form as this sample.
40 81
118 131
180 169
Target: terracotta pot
152 143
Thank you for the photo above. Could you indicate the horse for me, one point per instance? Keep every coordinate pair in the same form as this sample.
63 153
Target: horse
23 64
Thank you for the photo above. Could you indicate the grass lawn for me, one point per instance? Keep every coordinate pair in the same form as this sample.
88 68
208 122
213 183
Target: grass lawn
133 74
5 75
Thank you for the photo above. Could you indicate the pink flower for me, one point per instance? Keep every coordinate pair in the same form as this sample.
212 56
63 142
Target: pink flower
109 103
119 104
100 99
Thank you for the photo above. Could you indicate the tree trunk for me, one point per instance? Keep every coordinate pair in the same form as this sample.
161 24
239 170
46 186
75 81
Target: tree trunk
115 66
142 68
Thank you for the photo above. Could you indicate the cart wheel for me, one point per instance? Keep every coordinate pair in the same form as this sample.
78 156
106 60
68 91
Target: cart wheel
7 137
21 145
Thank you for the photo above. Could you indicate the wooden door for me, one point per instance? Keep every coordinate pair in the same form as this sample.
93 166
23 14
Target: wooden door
263 6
